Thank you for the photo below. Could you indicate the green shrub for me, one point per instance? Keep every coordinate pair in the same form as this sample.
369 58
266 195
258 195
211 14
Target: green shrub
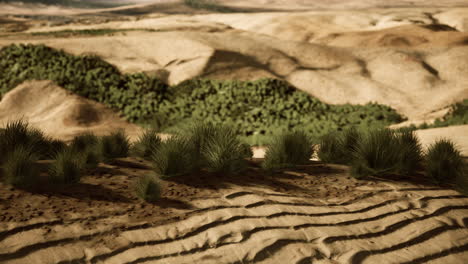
67 167
146 144
222 151
176 156
115 145
288 149
148 188
19 168
444 162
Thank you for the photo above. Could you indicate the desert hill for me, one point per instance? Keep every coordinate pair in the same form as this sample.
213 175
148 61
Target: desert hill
412 56
60 113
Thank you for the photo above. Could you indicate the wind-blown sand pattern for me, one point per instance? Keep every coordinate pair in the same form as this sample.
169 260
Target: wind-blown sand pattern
314 214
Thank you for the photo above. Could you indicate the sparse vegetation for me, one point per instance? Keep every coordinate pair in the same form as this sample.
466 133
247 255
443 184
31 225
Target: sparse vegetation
146 144
148 188
67 167
288 149
444 162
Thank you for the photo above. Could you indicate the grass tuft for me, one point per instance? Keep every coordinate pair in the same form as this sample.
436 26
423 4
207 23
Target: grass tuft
19 168
87 145
383 152
115 145
338 147
288 149
176 156
444 162
148 188
146 144
66 168
222 151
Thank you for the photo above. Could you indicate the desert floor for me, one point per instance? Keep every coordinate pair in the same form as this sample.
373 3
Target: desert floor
356 52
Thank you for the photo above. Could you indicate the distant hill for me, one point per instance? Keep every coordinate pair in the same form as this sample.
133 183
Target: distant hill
75 3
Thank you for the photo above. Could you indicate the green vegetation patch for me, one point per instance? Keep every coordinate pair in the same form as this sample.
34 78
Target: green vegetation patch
255 109
89 32
209 5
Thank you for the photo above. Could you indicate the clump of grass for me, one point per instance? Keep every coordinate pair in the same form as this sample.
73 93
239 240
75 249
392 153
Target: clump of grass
174 157
411 152
383 152
18 133
66 168
87 145
444 163
115 145
19 168
148 188
222 151
146 144
288 149
338 147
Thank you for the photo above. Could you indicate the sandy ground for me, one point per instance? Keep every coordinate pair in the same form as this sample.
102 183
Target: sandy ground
356 51
314 214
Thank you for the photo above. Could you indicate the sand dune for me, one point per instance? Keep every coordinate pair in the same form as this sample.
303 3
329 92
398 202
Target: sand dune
60 113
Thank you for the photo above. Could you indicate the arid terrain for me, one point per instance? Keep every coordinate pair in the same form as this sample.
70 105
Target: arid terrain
410 55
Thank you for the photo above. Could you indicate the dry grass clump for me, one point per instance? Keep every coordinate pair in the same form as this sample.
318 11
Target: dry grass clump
288 149
148 188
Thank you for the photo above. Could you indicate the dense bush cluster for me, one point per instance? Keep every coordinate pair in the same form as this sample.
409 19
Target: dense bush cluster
254 108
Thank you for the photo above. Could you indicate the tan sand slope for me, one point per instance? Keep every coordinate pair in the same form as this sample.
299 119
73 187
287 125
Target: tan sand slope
316 214
59 113
457 134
